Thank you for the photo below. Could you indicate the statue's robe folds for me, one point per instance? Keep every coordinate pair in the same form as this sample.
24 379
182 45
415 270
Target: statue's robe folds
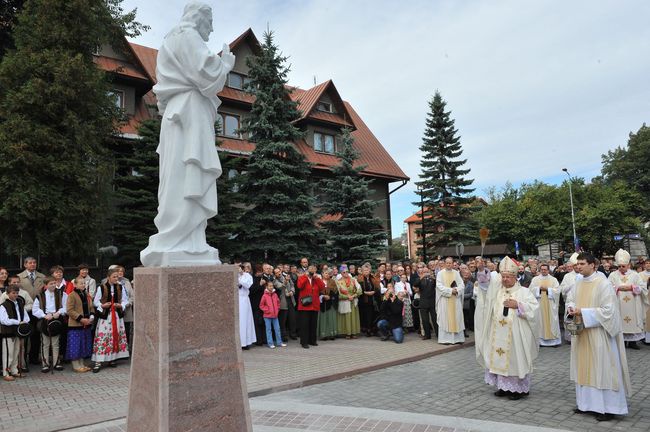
598 360
507 346
189 77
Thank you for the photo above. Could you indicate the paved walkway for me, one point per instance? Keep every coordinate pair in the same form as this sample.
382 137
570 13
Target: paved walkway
46 402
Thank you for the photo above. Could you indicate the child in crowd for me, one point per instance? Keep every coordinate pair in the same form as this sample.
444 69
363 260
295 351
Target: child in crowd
270 306
12 313
82 315
49 307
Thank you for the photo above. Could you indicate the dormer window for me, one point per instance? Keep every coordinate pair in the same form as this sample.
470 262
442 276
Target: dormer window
118 97
324 143
324 106
237 81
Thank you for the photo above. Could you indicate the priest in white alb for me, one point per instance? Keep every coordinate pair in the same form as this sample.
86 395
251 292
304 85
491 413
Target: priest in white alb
645 277
546 290
632 296
598 360
568 283
449 304
508 345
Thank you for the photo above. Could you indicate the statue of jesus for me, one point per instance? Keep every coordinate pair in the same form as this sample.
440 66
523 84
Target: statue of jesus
189 77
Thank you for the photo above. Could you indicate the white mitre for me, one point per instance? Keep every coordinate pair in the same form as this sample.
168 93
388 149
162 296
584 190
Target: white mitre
574 258
622 257
508 266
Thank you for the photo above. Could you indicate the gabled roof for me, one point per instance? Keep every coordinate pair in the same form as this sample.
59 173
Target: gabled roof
249 37
147 58
308 100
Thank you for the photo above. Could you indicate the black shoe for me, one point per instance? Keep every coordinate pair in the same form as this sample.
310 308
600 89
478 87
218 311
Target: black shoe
426 337
24 369
45 369
305 346
112 364
501 393
604 417
58 367
97 367
633 345
517 396
579 411
259 343
246 348
314 344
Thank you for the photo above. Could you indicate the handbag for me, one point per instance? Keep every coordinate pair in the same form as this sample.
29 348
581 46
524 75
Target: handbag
306 300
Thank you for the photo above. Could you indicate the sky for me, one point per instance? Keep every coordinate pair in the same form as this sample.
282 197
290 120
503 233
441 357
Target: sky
533 86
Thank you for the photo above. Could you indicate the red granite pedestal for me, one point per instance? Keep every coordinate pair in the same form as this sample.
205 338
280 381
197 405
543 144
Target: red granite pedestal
187 371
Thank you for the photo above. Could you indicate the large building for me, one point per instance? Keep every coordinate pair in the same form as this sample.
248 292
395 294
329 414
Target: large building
324 115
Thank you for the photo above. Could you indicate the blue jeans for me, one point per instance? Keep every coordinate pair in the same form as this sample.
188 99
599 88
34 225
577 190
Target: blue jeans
268 322
398 332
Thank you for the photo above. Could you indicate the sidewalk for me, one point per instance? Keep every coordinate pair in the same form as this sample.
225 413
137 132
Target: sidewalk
64 400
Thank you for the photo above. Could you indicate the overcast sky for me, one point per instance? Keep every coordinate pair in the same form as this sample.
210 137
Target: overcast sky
534 86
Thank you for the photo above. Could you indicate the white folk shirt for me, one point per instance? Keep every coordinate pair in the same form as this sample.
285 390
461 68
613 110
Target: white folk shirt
4 316
549 328
50 305
97 301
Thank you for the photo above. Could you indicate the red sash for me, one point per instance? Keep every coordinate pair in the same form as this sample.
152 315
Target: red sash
116 335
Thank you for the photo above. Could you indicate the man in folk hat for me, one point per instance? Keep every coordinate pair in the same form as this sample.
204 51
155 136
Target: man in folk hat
632 296
598 359
508 342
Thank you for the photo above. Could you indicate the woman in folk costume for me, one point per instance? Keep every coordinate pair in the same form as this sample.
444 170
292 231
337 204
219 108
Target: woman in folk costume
349 323
507 343
327 321
81 312
632 296
110 337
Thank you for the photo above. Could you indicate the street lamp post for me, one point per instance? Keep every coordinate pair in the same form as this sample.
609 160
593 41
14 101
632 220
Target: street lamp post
423 230
573 218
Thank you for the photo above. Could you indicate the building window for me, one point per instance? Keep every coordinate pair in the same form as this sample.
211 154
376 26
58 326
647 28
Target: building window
230 124
324 106
118 97
324 143
237 81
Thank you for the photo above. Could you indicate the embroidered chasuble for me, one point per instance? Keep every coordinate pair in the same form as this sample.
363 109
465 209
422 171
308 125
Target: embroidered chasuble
633 306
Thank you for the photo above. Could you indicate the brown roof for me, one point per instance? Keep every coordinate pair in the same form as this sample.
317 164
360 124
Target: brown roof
372 154
120 67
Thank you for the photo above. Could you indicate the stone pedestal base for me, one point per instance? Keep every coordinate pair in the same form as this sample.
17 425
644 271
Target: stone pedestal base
187 372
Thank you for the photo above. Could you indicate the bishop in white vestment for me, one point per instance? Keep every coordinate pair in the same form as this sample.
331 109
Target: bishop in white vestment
546 290
633 299
598 360
508 344
449 305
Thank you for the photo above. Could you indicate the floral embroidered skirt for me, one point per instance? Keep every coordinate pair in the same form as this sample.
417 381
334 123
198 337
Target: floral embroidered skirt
103 343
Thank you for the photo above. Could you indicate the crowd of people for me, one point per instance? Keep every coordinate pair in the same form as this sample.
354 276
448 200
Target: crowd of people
599 307
47 320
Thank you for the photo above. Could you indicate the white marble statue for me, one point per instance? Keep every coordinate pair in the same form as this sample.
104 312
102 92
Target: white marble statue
189 77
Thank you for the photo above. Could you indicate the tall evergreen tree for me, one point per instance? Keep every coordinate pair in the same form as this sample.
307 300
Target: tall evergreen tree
136 195
56 118
443 186
355 234
280 223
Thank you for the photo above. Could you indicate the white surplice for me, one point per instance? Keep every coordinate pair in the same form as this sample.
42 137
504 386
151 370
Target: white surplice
246 321
549 322
598 359
449 307
645 276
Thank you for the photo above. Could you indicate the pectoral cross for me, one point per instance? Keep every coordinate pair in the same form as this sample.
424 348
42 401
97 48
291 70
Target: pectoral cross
626 299
500 351
627 319
503 322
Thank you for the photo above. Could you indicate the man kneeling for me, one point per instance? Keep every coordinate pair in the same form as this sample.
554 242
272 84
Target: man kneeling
391 313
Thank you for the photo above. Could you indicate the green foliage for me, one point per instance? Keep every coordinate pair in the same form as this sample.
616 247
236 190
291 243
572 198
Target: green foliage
444 186
280 222
539 213
631 164
57 120
136 194
354 234
9 10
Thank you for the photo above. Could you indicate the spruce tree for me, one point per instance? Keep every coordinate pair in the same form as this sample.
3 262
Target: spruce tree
354 234
280 222
136 195
443 186
57 118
